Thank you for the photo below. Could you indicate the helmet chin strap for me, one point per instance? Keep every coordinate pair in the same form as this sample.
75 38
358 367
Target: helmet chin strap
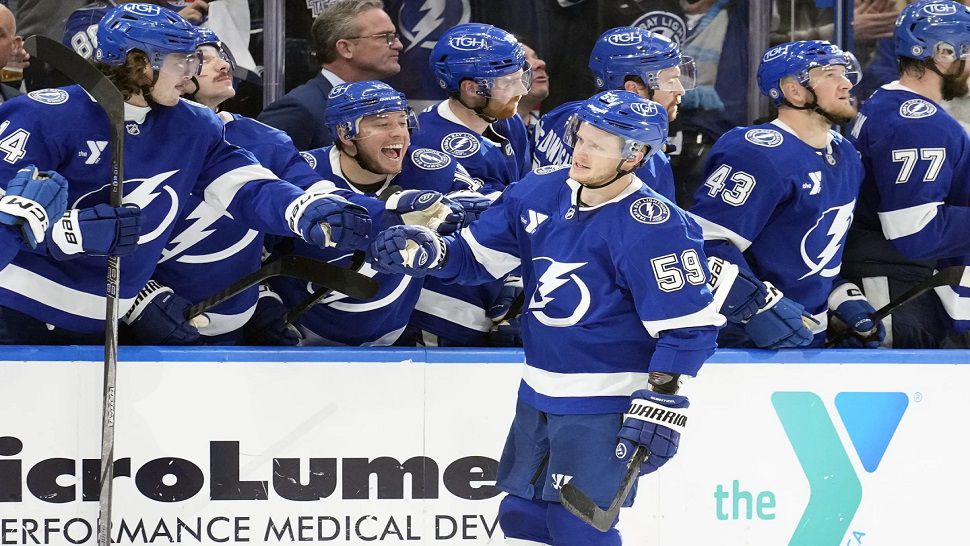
948 88
814 107
620 173
479 110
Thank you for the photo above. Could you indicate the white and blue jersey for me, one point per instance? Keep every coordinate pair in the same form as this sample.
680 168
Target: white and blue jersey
159 176
458 313
549 148
613 291
379 320
916 193
781 208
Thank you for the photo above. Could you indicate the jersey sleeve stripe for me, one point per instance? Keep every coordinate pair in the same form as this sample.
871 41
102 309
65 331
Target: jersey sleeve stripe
904 222
707 316
556 384
454 310
496 262
221 191
955 305
43 290
714 231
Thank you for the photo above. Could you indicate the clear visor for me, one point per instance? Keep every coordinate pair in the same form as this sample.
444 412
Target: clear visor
511 85
184 65
836 72
211 52
681 78
588 139
949 53
386 123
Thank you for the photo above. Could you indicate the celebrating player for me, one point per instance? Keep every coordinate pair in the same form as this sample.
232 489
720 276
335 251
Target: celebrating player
913 210
778 201
617 303
30 201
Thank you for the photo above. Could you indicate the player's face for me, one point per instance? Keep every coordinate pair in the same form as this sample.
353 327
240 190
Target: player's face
540 79
382 142
669 90
370 50
596 155
832 89
173 77
215 81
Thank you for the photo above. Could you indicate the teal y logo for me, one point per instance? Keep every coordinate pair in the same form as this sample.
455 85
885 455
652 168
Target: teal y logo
870 418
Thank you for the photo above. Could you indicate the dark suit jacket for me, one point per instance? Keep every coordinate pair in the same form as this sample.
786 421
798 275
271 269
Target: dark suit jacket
299 114
7 92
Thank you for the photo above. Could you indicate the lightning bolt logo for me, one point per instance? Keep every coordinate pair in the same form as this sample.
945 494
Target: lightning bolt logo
432 19
144 194
433 15
202 218
841 219
555 276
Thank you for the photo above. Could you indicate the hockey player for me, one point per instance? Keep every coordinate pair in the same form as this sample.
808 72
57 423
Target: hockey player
370 122
913 210
484 71
30 201
172 148
638 61
617 305
779 197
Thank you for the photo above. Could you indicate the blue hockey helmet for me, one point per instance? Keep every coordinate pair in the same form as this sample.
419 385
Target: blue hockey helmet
640 123
796 59
634 51
478 52
149 28
349 102
207 37
925 27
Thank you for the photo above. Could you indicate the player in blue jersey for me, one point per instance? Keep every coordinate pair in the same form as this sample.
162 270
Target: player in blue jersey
778 201
485 73
27 205
914 208
370 123
81 27
172 148
617 312
638 61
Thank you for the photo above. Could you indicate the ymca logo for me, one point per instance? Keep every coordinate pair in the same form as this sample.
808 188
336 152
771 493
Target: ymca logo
572 297
532 220
821 247
870 419
422 23
95 147
559 480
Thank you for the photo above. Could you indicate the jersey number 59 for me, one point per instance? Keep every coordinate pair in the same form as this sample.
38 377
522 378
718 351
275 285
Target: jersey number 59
671 272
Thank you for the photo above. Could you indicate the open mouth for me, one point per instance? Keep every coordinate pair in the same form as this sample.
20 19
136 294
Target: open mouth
393 151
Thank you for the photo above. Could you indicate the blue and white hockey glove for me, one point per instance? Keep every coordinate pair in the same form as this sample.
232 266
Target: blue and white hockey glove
327 220
507 333
656 422
158 317
411 250
101 230
473 202
781 323
267 326
31 200
427 208
511 290
850 305
737 293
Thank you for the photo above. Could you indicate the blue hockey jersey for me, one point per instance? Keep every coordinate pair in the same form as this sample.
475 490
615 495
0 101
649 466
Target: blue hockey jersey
776 205
549 148
169 153
458 313
917 187
381 319
612 291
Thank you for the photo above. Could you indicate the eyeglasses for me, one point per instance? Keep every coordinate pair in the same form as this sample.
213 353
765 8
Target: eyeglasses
389 37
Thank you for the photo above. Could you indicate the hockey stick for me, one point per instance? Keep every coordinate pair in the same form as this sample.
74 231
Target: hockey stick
299 267
585 509
950 276
83 73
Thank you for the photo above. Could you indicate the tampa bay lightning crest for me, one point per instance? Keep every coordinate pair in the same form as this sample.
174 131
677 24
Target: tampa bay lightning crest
664 23
422 22
561 298
822 244
430 160
916 109
460 144
49 96
308 157
650 210
769 138
143 192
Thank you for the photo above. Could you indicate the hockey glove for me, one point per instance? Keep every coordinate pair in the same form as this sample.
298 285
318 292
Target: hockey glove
780 324
327 220
507 333
101 230
267 326
158 317
506 298
473 202
31 200
738 294
427 208
411 250
656 422
852 308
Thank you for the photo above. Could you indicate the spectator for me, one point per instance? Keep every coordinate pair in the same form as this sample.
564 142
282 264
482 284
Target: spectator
45 18
356 41
11 46
529 104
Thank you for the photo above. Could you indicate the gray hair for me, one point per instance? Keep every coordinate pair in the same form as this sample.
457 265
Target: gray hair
337 22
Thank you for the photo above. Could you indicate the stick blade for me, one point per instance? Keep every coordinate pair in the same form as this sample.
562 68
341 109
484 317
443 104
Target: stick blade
581 506
339 279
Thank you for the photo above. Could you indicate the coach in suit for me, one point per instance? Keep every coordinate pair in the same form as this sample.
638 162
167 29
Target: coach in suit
356 41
